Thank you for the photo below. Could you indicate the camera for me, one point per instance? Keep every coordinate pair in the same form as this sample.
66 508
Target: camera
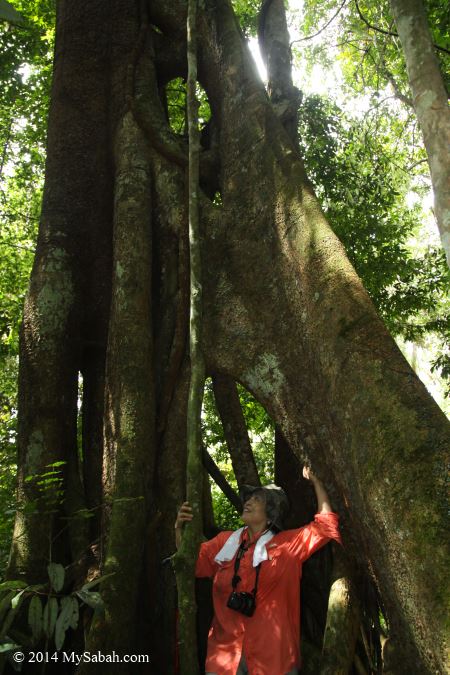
242 602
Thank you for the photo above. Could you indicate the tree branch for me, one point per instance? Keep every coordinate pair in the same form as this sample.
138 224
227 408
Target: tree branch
389 32
398 94
235 430
220 480
273 36
150 116
310 37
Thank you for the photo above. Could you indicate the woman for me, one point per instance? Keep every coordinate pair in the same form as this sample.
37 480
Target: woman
256 588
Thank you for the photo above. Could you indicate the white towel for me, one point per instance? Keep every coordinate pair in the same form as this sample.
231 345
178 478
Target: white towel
230 547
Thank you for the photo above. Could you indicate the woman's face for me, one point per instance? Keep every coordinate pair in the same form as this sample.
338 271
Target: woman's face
254 511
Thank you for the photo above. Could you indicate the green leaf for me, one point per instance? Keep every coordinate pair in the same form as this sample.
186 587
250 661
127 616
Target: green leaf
5 605
35 617
8 13
36 587
94 582
7 646
7 585
75 612
16 599
63 621
94 600
56 575
49 616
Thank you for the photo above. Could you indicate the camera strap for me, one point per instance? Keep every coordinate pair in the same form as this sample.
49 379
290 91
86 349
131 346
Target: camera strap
236 578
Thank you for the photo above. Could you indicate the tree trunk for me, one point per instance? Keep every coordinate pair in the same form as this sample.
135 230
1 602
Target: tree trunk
430 101
221 481
185 559
60 302
235 430
343 619
316 572
275 45
129 390
284 314
288 472
129 432
170 492
309 345
338 637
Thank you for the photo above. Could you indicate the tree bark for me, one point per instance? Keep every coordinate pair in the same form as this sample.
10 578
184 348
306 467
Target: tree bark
316 572
59 300
274 42
235 430
343 618
170 492
129 434
430 101
220 480
129 415
185 559
288 473
323 364
170 220
339 635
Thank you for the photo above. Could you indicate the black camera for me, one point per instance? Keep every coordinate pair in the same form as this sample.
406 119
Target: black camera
242 602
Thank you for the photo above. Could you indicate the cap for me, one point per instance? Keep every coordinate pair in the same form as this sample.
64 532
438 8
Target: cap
277 503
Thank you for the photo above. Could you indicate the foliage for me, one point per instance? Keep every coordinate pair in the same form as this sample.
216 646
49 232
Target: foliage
51 609
50 612
176 106
49 485
359 33
261 433
247 13
25 72
359 171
